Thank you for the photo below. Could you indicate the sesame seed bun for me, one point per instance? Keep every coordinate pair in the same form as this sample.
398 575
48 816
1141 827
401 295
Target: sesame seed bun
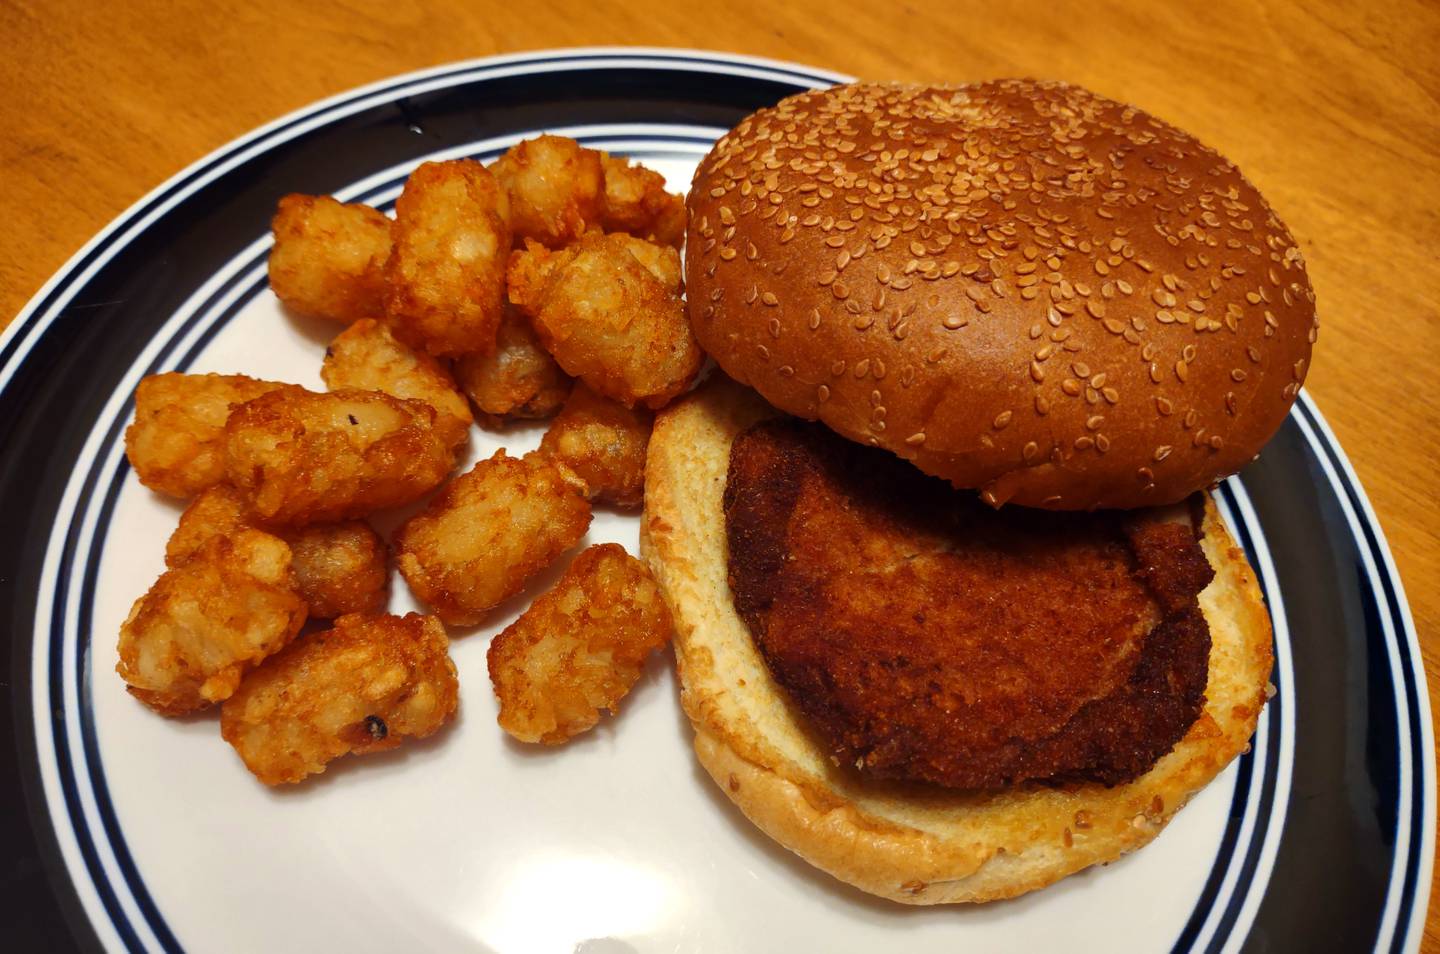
1021 287
909 844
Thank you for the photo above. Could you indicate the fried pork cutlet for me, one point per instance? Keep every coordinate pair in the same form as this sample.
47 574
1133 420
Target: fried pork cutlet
927 637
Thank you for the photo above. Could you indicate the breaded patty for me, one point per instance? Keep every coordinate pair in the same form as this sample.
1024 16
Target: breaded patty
927 637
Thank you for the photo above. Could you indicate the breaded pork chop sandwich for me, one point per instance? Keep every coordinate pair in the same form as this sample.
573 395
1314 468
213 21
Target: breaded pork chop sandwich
955 614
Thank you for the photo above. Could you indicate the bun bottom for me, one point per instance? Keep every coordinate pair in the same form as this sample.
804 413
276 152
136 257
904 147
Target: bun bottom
912 844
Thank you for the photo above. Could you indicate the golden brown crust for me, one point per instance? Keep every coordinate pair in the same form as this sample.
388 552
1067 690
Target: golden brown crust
636 203
329 259
339 568
368 357
488 532
608 308
519 379
445 278
603 442
361 687
579 648
913 846
556 188
177 441
206 622
299 457
1137 319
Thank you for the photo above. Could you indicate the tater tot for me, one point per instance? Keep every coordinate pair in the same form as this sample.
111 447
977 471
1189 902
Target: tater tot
636 203
368 357
579 648
339 567
298 457
604 443
518 380
361 687
177 441
446 272
556 187
219 511
607 318
188 641
329 259
488 532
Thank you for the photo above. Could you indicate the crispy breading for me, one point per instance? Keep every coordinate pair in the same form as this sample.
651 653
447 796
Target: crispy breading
555 187
329 259
636 202
488 532
368 357
604 443
339 567
446 272
579 648
299 457
519 379
177 441
927 637
188 641
608 318
360 687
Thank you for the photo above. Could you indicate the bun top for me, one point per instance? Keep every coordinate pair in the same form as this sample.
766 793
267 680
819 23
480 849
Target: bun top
1019 286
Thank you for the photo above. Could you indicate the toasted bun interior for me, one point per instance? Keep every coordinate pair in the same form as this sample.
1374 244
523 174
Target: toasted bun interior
917 845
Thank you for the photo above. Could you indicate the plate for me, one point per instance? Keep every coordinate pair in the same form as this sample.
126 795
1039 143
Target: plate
128 832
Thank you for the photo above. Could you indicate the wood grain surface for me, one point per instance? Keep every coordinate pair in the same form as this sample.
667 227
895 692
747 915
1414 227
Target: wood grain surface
1331 108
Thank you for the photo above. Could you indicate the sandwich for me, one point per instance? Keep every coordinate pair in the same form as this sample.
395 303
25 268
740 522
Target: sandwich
955 615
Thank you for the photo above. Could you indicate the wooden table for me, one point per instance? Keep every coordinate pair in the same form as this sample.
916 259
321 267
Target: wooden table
1330 109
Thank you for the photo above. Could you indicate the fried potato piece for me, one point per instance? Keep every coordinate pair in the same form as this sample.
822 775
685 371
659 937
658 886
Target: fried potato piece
177 441
662 261
298 457
446 272
368 357
636 203
579 648
339 567
189 640
488 532
607 316
519 380
555 186
329 259
604 443
359 688
219 511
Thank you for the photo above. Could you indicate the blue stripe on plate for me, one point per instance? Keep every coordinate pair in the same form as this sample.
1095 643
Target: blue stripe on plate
1419 812
1275 712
